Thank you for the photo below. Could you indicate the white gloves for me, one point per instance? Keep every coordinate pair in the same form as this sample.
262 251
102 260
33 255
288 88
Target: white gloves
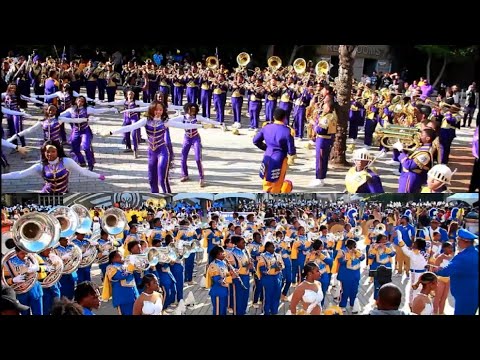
49 268
93 243
105 253
18 279
398 145
66 256
33 268
105 133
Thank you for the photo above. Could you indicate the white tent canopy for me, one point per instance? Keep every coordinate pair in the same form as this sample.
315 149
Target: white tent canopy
469 198
235 195
181 196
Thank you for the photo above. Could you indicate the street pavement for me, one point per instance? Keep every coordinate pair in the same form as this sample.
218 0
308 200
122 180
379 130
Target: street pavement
203 305
231 162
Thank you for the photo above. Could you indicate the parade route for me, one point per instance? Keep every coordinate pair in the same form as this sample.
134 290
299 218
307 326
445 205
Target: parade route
231 162
203 304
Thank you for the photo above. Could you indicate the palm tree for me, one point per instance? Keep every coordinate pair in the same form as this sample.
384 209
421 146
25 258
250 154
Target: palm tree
344 88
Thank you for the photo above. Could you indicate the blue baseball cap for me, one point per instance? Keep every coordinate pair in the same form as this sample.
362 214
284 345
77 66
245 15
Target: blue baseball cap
467 235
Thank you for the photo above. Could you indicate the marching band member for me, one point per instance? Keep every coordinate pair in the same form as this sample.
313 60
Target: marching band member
355 117
422 304
220 88
438 177
325 129
130 117
102 242
119 284
52 125
84 274
286 100
241 284
167 280
158 134
462 270
309 292
134 248
112 79
82 134
269 271
238 92
67 281
14 122
443 287
325 263
256 94
277 142
33 297
418 261
371 118
381 254
475 178
55 169
429 231
349 273
300 248
150 301
219 276
192 138
206 93
362 178
285 251
50 293
87 295
302 100
416 165
212 236
256 248
406 233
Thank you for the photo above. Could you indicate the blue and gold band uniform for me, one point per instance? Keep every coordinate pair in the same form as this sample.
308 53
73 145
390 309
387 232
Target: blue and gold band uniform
349 275
241 262
119 284
49 294
380 256
84 274
285 252
167 283
67 281
218 280
212 238
255 250
269 270
33 297
300 249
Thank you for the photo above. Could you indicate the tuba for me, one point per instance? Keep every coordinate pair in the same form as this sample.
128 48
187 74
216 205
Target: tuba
242 60
85 225
72 263
68 219
35 232
56 264
212 62
380 229
114 221
15 270
322 68
89 252
140 262
299 65
107 246
274 63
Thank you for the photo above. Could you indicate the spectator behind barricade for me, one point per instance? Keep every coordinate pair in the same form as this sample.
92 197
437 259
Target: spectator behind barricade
389 300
